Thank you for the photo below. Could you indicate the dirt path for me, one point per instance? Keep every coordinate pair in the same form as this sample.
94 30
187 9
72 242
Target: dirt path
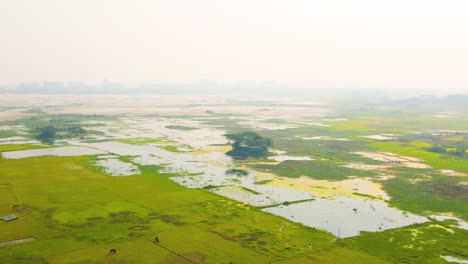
17 241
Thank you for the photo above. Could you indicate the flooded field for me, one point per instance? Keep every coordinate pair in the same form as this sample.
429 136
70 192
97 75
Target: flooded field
346 217
116 167
319 172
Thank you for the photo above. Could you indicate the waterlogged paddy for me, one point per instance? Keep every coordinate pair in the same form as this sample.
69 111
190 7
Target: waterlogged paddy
346 217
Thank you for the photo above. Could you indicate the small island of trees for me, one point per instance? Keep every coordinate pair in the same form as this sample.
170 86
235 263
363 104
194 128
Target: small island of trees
248 144
460 149
49 134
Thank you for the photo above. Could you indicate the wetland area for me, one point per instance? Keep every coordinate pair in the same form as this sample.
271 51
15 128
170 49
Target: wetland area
328 181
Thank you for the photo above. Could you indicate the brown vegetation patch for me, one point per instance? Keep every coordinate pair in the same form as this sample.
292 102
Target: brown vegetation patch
224 236
168 219
444 188
248 237
97 218
194 257
120 214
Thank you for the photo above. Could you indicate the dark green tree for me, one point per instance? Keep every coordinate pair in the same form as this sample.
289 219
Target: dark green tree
437 149
47 134
461 149
245 144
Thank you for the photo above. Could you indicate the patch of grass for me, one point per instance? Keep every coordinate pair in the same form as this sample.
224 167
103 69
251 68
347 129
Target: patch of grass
250 190
9 133
22 147
175 148
263 182
364 195
439 195
237 171
422 243
417 149
323 149
322 170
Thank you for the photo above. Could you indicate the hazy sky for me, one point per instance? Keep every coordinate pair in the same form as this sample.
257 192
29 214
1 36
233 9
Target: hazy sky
329 43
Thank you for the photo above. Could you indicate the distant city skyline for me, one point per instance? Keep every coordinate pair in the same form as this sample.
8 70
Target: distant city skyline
420 45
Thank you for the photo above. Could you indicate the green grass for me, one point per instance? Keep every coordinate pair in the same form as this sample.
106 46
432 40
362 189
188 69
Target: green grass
322 170
320 149
22 147
176 148
438 195
417 149
414 244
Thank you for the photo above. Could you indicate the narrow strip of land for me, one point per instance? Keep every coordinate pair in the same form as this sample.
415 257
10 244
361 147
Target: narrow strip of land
17 241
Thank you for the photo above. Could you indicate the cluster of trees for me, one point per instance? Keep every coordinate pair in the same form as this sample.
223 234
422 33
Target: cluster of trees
49 134
460 149
437 149
248 144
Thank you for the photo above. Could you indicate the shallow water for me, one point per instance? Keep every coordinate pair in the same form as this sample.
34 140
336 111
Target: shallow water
59 151
313 124
266 126
281 158
461 224
266 196
322 138
339 217
117 167
12 138
378 137
211 166
454 259
13 128
17 140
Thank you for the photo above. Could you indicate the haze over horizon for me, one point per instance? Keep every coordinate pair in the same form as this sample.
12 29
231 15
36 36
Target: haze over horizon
399 45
